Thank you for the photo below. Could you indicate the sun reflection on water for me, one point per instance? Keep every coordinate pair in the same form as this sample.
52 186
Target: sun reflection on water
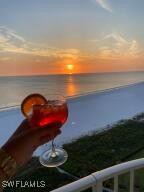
71 88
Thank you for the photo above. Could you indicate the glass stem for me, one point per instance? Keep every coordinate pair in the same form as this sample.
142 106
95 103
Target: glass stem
53 154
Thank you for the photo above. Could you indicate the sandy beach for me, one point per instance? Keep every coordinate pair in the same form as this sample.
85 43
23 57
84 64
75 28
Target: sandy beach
87 112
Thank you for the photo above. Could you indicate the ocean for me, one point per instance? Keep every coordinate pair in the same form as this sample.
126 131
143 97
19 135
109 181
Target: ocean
14 89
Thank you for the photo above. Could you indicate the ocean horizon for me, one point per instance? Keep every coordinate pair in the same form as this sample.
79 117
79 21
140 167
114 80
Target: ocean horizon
15 88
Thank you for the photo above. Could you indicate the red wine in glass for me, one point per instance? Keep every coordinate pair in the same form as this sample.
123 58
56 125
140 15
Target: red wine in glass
55 110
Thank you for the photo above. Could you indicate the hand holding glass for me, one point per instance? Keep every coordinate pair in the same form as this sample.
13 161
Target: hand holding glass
53 111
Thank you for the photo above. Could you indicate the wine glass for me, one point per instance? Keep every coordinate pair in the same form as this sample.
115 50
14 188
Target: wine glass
55 110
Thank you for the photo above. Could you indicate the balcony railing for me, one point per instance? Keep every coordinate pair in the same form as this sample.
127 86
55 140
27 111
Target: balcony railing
95 180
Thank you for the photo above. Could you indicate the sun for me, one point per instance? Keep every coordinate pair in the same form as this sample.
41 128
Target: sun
70 68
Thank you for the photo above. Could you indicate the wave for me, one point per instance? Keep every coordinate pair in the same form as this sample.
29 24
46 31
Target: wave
9 107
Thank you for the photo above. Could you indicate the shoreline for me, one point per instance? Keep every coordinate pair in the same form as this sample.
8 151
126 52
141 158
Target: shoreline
16 106
104 90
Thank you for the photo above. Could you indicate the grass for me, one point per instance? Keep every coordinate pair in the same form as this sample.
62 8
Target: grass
123 141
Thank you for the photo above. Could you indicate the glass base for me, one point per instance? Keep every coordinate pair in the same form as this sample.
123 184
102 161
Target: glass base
49 159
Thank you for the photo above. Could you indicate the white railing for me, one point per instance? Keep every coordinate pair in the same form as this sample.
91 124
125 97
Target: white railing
95 180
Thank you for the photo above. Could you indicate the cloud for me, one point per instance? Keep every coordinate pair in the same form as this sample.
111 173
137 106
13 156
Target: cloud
116 46
5 58
110 46
104 4
120 41
11 42
124 46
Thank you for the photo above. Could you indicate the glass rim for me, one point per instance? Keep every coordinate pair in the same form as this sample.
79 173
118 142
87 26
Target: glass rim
55 103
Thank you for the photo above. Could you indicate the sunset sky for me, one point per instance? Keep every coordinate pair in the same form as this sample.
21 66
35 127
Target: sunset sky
71 36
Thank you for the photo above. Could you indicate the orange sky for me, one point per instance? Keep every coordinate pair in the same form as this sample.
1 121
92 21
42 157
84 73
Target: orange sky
90 35
27 64
112 53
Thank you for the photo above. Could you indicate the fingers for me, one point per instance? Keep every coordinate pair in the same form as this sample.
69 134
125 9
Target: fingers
44 139
37 136
46 133
55 125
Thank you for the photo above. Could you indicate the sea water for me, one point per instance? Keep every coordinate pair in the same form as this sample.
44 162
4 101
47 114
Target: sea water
14 89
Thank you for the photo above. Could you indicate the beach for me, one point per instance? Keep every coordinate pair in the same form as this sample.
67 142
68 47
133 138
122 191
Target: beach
87 113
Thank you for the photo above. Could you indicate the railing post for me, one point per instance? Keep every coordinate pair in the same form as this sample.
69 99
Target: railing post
98 187
132 180
116 183
94 189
